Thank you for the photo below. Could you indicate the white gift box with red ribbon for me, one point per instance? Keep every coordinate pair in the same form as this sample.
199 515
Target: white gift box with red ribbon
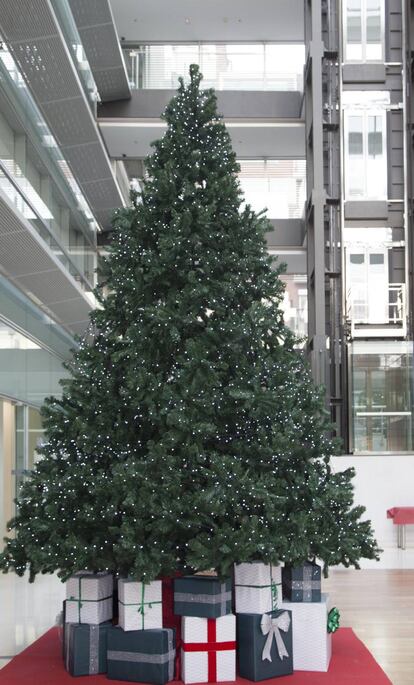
208 653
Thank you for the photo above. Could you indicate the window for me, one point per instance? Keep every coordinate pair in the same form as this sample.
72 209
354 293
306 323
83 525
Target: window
365 146
363 31
295 304
381 396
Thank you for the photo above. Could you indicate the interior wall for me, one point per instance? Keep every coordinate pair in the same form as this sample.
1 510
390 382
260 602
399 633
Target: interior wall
383 482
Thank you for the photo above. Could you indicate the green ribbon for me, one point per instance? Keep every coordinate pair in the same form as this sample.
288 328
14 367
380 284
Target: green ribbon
333 620
272 586
273 589
80 602
141 605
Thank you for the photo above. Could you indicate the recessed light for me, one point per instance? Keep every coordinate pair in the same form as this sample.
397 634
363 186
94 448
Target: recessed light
187 20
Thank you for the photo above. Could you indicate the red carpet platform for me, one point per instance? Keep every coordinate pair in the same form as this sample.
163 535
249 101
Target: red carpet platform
41 664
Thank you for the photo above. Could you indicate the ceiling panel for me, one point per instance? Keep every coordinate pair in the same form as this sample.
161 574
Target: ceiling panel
209 20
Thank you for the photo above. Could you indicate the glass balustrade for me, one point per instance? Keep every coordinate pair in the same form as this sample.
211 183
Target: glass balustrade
254 66
277 185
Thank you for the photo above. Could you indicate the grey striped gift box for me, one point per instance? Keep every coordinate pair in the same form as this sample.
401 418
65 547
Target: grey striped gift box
202 596
302 583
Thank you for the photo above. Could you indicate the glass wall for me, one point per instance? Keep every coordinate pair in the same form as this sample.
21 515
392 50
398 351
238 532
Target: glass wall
28 372
279 185
381 375
28 438
254 66
364 30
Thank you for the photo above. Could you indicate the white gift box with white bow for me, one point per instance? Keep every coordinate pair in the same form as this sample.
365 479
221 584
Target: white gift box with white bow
312 644
209 649
140 605
258 587
89 598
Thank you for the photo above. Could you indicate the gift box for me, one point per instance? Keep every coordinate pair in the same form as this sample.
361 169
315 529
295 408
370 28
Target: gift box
89 598
264 645
140 604
85 648
208 651
312 644
145 656
258 587
202 596
302 583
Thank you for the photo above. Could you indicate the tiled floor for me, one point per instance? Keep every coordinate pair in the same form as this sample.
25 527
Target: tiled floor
27 610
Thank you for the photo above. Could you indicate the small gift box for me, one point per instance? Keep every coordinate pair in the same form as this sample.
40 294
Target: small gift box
85 648
302 583
89 598
140 604
264 645
208 652
202 596
145 656
312 643
258 587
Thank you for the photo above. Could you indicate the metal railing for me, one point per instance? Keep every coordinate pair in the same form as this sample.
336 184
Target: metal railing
394 314
10 186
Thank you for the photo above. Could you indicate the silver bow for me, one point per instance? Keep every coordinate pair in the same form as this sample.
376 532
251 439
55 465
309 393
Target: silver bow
272 627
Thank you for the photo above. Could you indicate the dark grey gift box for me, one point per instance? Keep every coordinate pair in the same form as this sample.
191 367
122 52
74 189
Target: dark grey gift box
302 583
251 643
145 656
202 596
84 648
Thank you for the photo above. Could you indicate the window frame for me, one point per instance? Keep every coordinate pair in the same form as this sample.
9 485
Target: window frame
365 113
364 17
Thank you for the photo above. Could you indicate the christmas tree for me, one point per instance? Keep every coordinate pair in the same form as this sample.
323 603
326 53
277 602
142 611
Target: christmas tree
190 434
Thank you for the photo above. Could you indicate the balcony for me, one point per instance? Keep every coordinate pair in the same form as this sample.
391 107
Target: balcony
254 66
382 316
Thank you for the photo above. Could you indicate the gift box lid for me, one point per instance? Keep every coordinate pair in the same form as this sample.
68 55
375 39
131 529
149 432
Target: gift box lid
256 574
205 585
132 591
151 641
196 630
308 570
89 586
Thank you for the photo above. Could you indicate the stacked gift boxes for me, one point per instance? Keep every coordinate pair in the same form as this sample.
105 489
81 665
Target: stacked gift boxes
208 652
302 596
139 649
264 631
283 624
87 619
